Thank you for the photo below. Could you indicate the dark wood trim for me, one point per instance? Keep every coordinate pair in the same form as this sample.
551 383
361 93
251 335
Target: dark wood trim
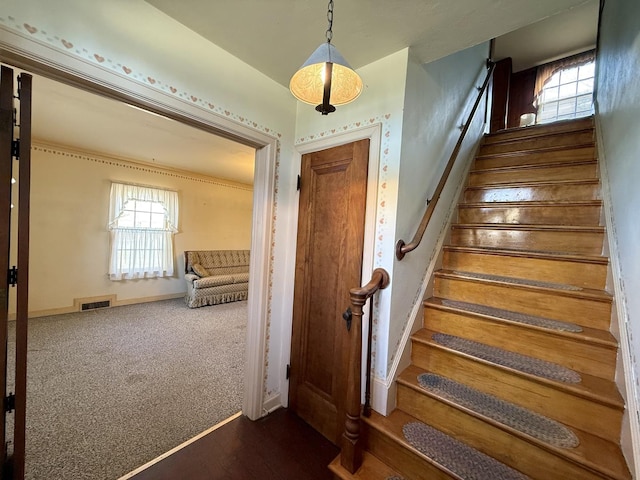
6 137
22 306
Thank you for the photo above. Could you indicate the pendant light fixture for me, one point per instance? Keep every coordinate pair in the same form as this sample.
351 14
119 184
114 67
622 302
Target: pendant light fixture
326 79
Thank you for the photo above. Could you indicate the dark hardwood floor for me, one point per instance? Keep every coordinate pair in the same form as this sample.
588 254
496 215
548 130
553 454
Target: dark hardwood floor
280 446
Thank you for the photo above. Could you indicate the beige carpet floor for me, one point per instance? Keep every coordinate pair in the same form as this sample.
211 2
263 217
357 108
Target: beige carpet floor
111 389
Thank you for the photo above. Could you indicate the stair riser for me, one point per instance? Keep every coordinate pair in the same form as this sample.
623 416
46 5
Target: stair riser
532 215
537 174
534 158
572 353
593 417
404 461
534 193
493 441
575 309
584 137
539 130
587 243
579 274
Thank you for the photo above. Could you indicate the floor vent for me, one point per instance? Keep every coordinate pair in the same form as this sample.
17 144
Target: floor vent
94 305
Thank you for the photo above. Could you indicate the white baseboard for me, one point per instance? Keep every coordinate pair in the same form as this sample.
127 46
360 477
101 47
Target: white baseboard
114 303
271 404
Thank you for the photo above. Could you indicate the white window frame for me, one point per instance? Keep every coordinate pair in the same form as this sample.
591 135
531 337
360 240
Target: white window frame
545 104
138 249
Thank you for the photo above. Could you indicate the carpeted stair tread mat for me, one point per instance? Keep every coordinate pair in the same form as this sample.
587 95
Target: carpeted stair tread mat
518 281
523 363
514 316
514 416
464 461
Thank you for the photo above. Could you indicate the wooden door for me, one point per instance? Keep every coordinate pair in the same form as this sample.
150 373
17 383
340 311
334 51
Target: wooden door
15 143
328 263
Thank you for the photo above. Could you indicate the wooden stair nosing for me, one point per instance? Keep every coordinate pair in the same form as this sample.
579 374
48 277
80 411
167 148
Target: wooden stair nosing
530 184
584 293
534 203
592 336
576 455
594 259
533 166
526 151
590 388
525 226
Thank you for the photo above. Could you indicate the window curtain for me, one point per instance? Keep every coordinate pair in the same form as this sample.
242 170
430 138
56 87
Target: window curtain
546 71
141 252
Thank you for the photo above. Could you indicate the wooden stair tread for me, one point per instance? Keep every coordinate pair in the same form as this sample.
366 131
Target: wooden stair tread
594 336
546 151
562 127
524 226
590 446
597 259
371 469
593 388
591 181
587 293
536 203
533 166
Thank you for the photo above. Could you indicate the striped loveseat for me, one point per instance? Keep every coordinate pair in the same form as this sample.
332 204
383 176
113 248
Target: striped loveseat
216 276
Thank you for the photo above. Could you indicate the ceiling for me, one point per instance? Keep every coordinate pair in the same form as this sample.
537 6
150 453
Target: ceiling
275 37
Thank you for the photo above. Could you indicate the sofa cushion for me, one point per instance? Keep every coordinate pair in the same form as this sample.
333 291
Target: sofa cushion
213 281
200 270
240 277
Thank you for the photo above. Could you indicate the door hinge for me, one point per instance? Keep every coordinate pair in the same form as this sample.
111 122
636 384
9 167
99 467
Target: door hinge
15 149
12 277
288 373
10 403
298 183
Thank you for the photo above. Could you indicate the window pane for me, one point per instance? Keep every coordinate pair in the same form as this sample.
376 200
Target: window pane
584 103
568 90
126 220
156 207
554 81
585 86
587 70
569 75
157 220
142 220
567 106
550 94
143 206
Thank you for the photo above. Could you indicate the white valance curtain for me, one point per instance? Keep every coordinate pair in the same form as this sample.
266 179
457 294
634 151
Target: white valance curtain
141 252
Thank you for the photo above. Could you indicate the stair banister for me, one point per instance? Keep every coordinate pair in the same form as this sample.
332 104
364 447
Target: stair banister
351 454
403 248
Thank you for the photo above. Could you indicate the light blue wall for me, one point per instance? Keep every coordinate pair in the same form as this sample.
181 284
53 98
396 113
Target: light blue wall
618 102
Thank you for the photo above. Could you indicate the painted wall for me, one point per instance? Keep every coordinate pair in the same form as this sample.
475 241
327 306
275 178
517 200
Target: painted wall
131 45
438 99
69 246
618 103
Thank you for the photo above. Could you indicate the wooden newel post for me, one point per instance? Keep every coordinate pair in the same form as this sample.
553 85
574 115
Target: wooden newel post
351 455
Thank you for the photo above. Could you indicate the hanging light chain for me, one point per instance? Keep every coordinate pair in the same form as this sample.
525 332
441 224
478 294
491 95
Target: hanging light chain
330 19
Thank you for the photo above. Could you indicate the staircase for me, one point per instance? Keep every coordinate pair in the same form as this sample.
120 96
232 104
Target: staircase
512 374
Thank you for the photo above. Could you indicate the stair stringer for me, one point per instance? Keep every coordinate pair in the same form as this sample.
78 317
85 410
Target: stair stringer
384 391
626 379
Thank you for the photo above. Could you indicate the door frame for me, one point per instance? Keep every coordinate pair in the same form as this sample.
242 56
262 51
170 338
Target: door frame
81 74
374 134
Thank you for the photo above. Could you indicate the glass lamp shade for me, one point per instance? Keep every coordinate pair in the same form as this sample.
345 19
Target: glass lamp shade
307 84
